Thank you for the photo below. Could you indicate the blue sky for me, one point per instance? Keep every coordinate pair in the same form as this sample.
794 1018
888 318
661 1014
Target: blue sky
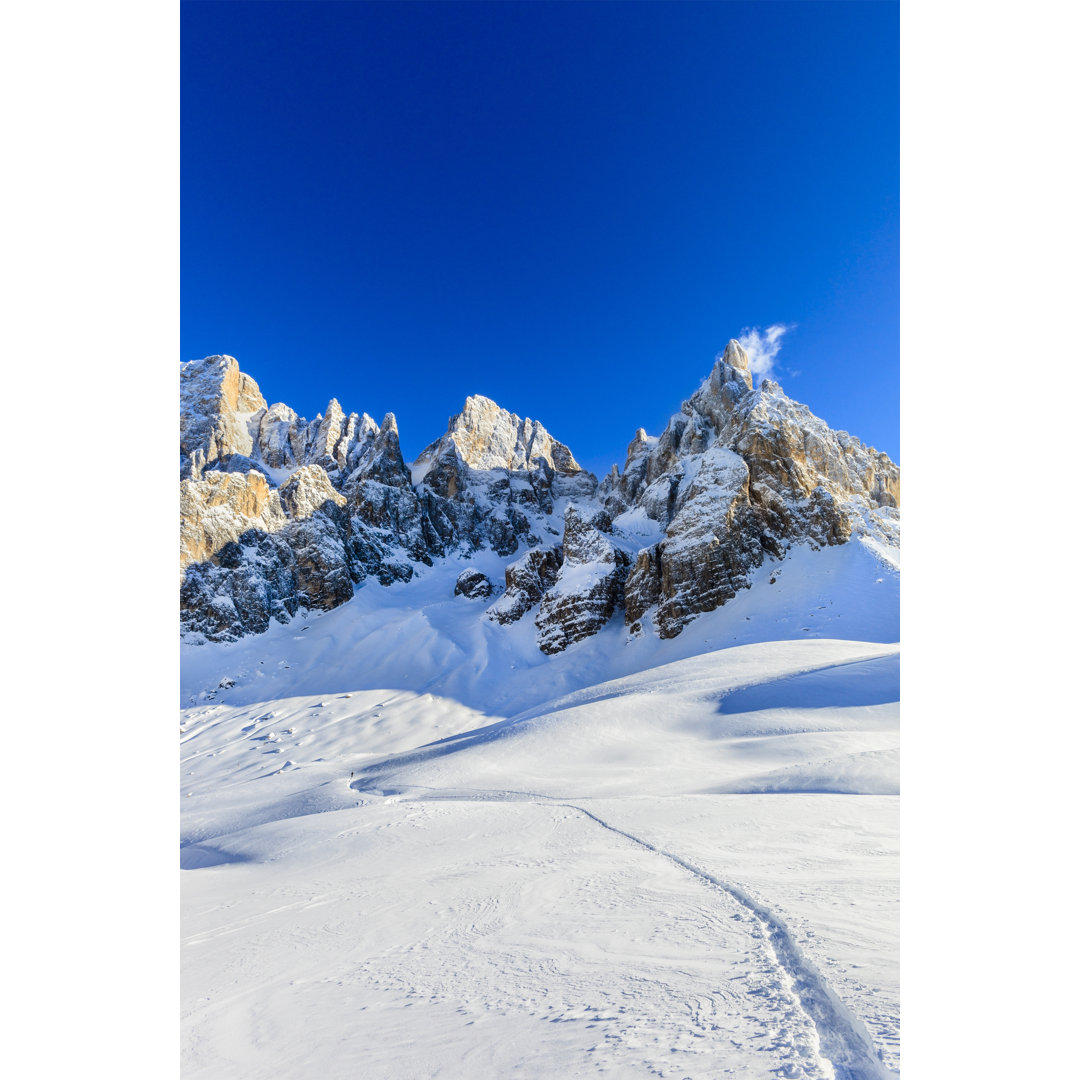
568 207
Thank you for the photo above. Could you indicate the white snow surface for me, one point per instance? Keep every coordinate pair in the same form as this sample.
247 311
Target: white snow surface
414 846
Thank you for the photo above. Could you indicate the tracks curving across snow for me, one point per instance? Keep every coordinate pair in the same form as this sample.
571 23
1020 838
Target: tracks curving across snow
844 1043
845 1049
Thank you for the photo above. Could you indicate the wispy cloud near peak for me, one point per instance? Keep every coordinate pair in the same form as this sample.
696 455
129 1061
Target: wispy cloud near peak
762 347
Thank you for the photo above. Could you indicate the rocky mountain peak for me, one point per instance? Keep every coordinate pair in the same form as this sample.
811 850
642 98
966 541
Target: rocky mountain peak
216 402
385 462
485 436
638 444
735 356
377 455
218 383
728 384
324 445
509 468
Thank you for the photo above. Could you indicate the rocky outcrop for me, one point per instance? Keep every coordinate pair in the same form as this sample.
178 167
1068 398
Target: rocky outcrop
642 589
588 587
527 579
220 508
473 585
709 550
308 490
319 544
279 513
248 583
270 573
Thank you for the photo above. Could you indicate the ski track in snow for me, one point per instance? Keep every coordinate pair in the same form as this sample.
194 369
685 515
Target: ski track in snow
844 1049
844 1043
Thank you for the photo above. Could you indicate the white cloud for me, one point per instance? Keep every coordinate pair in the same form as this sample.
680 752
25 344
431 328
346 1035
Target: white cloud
762 347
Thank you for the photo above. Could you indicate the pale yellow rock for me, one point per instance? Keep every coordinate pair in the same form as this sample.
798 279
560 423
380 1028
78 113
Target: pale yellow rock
328 434
307 490
220 508
218 406
489 437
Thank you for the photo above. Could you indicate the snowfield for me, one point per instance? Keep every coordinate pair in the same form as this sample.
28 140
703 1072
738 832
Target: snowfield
414 846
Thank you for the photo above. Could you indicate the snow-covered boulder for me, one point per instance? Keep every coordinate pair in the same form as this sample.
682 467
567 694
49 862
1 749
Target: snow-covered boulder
473 585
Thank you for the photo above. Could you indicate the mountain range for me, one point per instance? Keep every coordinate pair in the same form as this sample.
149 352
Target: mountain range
280 515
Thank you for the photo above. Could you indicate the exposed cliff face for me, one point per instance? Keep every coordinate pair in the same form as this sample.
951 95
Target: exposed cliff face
588 587
217 405
220 508
279 514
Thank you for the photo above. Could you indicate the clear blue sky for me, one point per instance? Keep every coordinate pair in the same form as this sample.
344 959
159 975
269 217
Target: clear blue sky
568 207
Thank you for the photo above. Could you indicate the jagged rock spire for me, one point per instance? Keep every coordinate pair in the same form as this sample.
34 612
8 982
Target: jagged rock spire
736 358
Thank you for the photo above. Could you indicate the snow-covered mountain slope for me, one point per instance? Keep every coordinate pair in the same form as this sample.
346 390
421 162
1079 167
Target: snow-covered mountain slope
418 636
416 846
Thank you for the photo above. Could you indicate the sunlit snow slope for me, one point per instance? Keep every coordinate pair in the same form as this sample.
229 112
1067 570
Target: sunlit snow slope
413 846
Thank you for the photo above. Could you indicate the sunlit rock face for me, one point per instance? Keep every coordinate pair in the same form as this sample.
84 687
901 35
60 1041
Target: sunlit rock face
221 507
217 406
279 514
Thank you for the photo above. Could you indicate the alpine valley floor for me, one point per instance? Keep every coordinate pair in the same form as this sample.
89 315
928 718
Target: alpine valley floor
414 846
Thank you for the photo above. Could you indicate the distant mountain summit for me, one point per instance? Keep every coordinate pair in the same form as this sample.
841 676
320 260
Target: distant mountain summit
279 514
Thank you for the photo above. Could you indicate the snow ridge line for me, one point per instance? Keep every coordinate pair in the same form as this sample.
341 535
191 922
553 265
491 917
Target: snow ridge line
844 1041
